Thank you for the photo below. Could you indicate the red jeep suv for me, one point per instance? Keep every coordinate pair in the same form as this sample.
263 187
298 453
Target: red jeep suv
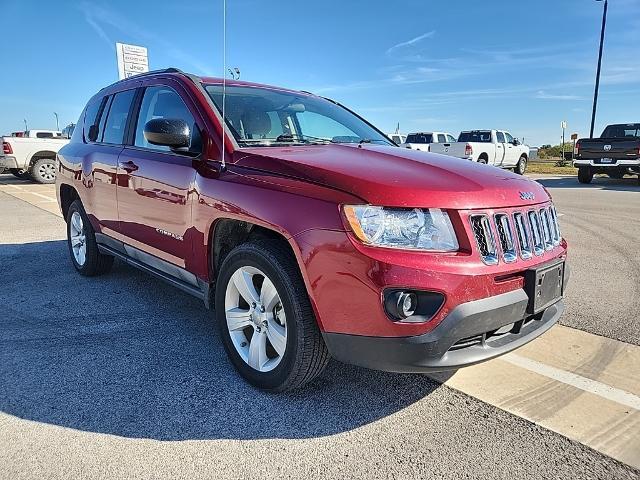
308 232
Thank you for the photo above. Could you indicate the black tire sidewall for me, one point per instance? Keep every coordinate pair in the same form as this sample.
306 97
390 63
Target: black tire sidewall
253 255
91 257
522 165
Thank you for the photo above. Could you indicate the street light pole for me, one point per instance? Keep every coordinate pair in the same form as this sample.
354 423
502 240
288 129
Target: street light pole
595 93
57 123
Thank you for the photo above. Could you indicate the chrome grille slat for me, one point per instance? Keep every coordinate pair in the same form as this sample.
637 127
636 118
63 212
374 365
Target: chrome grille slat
484 238
556 226
524 239
536 232
547 236
505 236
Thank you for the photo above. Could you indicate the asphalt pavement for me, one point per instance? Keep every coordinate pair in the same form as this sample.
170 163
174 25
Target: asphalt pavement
124 376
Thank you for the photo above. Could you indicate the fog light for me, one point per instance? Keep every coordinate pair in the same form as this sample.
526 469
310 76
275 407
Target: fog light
407 303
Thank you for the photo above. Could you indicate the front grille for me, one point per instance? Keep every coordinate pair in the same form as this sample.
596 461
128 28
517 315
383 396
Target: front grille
506 235
484 238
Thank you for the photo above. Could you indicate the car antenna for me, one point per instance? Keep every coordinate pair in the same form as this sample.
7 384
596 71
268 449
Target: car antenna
223 166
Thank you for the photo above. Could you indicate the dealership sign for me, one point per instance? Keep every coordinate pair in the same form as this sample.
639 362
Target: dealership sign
132 60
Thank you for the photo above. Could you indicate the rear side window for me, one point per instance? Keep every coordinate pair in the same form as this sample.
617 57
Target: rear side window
92 118
117 118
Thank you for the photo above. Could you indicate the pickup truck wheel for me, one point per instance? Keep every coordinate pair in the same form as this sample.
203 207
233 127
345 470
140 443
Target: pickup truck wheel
19 173
81 238
585 175
44 170
266 322
484 160
522 165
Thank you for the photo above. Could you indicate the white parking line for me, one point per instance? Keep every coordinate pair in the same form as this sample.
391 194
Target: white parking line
46 197
588 385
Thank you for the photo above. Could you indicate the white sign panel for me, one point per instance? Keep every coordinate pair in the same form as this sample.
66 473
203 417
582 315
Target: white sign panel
132 60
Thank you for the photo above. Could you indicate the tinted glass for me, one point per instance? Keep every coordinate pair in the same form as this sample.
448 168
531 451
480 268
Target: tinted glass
499 137
44 135
117 119
262 117
162 102
442 138
419 138
631 130
91 116
480 136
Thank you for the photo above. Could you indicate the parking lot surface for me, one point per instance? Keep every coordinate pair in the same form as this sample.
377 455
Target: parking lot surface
124 376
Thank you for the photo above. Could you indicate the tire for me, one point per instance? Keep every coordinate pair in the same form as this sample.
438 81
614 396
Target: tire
81 239
585 175
484 160
522 165
44 170
19 173
298 353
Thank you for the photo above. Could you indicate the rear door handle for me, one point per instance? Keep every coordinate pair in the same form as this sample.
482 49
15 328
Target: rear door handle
128 166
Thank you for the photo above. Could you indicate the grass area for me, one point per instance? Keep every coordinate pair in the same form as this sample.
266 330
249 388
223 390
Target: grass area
550 168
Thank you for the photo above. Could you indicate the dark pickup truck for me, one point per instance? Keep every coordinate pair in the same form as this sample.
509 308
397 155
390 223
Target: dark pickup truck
616 153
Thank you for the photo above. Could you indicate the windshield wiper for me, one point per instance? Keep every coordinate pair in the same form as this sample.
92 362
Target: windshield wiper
364 140
290 137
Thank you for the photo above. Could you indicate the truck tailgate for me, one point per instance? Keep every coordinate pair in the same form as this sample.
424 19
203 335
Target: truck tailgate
609 148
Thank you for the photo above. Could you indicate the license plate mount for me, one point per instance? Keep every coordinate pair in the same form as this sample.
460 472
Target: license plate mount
544 286
606 160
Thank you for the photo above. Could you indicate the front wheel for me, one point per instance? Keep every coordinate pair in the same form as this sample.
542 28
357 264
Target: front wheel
585 175
522 165
44 170
265 318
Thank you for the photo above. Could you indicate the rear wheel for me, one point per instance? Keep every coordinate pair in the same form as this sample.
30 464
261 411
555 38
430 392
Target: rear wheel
265 317
44 170
483 159
585 175
522 165
81 239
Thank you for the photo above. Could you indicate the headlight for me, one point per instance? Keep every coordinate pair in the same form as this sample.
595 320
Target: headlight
409 228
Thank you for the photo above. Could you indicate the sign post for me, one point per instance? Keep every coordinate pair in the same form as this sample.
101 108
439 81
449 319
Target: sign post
132 60
563 125
574 137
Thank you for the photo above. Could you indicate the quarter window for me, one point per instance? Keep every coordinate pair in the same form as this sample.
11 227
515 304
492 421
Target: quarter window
117 119
163 102
92 118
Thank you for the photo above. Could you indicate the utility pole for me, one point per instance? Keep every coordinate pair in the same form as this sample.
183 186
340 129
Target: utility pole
563 124
25 125
57 122
595 93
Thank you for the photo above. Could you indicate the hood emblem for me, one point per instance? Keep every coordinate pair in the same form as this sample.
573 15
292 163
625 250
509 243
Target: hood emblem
607 148
527 196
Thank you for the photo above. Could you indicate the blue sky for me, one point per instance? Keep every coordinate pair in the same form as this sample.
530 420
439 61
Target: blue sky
522 66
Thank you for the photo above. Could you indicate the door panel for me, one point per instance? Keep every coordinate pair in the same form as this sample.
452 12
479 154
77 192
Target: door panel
154 207
512 153
500 149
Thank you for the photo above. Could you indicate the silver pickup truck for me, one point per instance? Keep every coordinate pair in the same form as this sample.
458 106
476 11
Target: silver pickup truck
33 154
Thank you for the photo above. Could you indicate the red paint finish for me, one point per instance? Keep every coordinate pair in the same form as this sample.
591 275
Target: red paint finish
168 204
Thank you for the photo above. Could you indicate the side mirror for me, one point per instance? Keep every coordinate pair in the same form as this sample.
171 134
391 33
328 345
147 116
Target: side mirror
168 132
516 142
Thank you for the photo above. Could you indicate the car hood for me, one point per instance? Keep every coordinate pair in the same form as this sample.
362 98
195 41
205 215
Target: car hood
397 177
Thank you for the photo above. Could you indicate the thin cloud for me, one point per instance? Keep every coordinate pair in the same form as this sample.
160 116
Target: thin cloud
413 41
549 96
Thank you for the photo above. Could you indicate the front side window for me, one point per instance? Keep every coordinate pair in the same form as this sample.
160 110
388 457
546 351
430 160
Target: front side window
261 117
451 138
442 138
162 102
508 137
499 137
116 122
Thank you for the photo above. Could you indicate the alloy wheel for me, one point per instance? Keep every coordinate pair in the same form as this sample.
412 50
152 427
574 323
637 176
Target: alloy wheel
47 171
78 238
255 319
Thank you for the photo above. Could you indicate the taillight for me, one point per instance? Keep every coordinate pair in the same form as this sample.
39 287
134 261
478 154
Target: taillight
468 151
577 150
6 148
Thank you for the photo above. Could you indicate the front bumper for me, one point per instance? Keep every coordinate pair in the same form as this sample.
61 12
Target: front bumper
8 162
471 333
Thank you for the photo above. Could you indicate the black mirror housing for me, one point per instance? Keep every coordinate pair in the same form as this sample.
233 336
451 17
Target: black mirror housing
168 132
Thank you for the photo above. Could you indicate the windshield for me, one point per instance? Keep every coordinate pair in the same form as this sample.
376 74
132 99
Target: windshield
480 136
419 138
263 117
629 130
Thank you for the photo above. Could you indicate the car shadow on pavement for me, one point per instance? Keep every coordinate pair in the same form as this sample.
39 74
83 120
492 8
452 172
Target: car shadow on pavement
127 355
9 179
627 184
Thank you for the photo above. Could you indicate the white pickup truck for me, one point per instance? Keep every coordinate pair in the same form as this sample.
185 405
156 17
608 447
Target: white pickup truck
424 140
492 147
33 154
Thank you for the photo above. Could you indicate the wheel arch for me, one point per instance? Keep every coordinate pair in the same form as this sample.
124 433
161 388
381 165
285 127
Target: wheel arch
39 155
67 196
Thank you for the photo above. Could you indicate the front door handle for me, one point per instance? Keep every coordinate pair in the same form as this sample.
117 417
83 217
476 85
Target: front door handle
128 166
